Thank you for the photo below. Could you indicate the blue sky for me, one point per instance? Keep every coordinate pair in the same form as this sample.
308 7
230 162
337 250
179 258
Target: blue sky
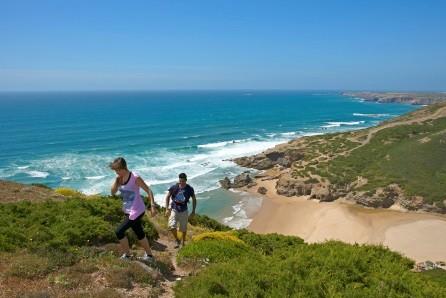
96 45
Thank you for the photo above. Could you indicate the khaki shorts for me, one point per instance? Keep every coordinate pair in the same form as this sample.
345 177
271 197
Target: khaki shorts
178 218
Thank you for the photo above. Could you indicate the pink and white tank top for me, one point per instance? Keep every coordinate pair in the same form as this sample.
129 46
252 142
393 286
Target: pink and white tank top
132 203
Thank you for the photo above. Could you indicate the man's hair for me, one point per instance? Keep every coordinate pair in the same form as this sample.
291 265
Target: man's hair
182 176
118 164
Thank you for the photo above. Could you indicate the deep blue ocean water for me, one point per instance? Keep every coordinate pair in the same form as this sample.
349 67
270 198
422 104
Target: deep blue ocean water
68 138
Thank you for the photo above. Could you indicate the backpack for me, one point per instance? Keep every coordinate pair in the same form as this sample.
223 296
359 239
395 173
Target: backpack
175 192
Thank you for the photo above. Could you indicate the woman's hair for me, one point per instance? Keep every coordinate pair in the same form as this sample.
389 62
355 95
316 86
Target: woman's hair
118 164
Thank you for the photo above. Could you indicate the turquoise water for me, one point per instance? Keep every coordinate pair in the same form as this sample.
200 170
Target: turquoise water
68 138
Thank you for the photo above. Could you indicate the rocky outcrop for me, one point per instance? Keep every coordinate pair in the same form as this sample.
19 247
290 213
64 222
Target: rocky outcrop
380 198
412 203
226 183
289 187
270 158
262 190
244 179
375 201
322 193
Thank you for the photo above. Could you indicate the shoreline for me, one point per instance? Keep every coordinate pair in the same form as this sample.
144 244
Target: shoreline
417 235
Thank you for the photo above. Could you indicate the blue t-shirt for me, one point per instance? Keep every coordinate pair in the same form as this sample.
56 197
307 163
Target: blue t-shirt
180 196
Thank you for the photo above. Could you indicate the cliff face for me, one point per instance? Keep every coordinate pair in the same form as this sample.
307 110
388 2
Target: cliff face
399 162
392 97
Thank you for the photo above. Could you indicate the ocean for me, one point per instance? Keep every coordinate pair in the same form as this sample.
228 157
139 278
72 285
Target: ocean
68 138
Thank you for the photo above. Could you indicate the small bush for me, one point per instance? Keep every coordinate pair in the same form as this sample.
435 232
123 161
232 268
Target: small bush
68 192
212 251
208 223
228 235
269 243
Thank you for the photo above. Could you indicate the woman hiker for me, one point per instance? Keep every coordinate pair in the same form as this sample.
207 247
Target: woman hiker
128 184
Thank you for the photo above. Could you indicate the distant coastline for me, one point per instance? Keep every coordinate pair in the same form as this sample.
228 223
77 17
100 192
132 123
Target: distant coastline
414 98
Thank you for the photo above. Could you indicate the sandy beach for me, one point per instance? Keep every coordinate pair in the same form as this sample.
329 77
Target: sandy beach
419 236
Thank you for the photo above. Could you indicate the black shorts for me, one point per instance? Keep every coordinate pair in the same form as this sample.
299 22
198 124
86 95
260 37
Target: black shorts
135 224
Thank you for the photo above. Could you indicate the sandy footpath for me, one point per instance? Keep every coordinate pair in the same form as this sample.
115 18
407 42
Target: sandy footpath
419 236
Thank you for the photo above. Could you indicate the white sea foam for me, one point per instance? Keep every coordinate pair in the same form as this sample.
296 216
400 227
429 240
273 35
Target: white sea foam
239 219
288 134
215 145
243 211
309 134
372 115
339 124
23 167
95 177
37 174
159 168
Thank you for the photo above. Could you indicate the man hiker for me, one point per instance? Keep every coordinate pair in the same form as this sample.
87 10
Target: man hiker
176 211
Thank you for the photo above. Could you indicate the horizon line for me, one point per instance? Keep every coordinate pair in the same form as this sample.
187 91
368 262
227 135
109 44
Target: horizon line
218 89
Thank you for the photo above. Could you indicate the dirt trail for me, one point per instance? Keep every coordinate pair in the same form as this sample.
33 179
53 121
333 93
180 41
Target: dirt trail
177 274
441 112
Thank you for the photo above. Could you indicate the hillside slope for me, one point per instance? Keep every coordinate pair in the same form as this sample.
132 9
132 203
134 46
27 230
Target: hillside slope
66 248
401 161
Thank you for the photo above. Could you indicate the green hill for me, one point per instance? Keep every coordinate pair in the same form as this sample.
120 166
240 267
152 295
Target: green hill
66 248
400 161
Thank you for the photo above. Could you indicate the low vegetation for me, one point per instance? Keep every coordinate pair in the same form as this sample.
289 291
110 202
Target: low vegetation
68 248
286 267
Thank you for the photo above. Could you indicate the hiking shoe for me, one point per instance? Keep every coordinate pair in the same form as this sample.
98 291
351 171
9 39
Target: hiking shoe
147 258
177 244
125 257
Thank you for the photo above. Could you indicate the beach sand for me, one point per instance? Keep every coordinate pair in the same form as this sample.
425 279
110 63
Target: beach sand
419 236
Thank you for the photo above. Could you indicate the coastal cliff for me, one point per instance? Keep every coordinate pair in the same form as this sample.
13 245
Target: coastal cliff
415 98
400 162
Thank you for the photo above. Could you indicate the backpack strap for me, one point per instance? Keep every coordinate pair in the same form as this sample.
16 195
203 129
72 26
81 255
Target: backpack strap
175 191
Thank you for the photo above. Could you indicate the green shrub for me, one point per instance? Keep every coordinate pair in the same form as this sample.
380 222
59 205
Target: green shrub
331 269
208 223
436 275
68 192
227 235
269 243
211 250
62 225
